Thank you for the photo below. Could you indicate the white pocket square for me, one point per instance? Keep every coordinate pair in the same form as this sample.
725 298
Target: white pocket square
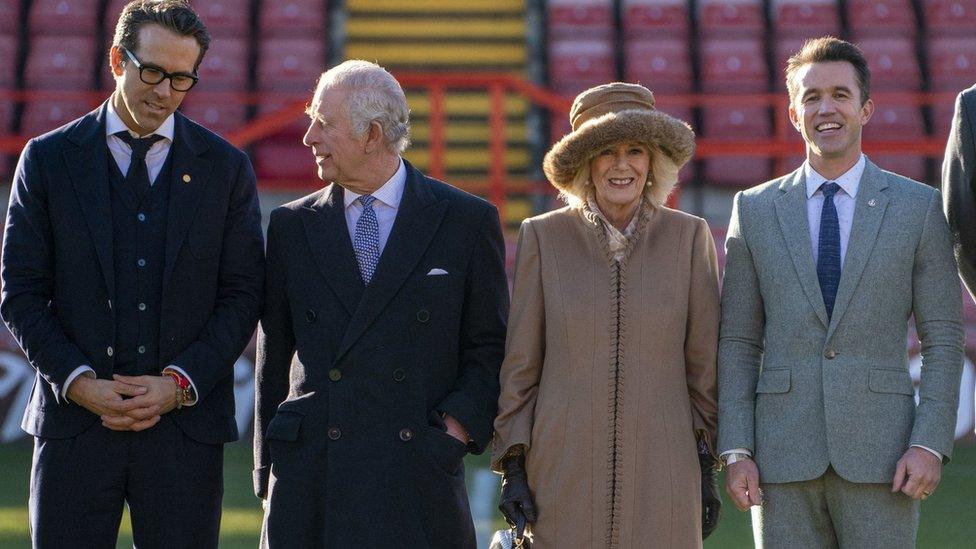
435 271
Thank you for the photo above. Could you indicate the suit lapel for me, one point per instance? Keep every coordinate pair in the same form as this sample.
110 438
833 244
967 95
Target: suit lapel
331 247
869 211
417 221
190 174
87 166
791 210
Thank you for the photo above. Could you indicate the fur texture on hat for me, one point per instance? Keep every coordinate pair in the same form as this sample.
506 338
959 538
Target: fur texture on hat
671 142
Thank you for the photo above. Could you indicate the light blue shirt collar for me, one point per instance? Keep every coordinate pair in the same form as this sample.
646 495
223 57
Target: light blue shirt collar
390 193
849 181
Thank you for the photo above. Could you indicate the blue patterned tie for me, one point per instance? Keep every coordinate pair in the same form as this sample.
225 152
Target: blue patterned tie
828 250
366 241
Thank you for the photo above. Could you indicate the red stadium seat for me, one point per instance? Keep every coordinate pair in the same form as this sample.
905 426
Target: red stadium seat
43 115
952 63
784 48
739 124
733 66
893 63
687 173
738 171
293 18
280 159
729 18
894 123
580 18
60 62
579 64
942 119
8 61
225 66
805 18
226 18
657 18
293 131
290 64
662 64
64 17
218 116
881 17
10 16
949 16
908 165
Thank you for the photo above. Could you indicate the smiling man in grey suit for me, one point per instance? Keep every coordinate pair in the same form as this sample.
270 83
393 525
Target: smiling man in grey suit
824 268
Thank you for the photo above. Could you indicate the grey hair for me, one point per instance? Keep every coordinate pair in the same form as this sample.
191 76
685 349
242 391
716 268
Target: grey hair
373 96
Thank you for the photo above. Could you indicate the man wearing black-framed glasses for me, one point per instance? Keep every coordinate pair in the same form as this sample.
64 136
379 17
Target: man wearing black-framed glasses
132 273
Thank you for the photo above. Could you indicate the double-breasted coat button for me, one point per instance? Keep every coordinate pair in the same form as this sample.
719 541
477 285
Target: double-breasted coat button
142 349
110 351
830 354
335 374
423 315
406 434
399 374
310 316
334 433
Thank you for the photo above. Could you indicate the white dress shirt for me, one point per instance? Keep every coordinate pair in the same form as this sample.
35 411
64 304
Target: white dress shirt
155 158
386 205
844 202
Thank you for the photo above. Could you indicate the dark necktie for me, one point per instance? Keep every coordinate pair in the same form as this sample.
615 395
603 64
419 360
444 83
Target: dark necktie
366 239
137 176
828 249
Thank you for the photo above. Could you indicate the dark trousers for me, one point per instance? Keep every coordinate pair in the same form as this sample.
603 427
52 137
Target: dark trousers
172 484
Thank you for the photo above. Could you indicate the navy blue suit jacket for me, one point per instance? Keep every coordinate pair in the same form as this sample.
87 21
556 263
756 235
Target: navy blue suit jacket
57 271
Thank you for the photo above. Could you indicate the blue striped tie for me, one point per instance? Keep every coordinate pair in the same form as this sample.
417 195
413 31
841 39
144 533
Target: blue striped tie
828 249
366 240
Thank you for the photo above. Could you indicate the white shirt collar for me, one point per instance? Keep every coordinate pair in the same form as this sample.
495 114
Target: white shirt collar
390 193
114 124
849 181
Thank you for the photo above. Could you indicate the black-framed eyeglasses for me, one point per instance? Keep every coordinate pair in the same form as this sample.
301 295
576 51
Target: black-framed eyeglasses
152 75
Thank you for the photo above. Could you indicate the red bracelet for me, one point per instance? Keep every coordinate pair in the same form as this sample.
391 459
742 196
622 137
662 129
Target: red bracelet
182 387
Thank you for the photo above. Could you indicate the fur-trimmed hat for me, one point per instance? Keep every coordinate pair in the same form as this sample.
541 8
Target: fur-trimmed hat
616 112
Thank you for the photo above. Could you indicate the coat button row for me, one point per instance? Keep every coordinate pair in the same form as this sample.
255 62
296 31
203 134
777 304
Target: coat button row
423 315
110 351
310 316
334 433
830 354
399 375
335 374
406 434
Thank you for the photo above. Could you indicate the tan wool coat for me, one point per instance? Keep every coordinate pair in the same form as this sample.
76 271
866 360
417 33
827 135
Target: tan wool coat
609 371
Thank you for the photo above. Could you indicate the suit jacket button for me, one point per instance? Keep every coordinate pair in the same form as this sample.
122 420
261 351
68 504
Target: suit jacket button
830 354
423 315
335 374
406 434
110 351
399 374
334 433
310 316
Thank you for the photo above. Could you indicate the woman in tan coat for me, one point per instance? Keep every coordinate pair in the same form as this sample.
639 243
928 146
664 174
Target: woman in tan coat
608 384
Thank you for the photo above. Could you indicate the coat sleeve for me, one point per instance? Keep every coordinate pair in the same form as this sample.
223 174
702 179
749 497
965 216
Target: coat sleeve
937 307
701 334
474 399
210 359
959 186
275 348
27 272
525 349
740 346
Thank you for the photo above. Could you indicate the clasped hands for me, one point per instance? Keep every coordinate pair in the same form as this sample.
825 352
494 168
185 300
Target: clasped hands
125 403
917 475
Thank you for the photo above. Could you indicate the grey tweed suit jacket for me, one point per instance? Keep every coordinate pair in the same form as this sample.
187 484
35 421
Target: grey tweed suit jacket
804 393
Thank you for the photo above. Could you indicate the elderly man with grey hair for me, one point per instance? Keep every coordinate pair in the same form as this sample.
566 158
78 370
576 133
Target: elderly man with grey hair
381 341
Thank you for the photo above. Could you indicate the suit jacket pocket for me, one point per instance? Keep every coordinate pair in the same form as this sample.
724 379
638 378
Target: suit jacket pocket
285 426
773 381
891 381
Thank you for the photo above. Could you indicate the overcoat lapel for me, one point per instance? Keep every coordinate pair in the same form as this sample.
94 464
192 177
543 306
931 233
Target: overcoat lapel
87 166
791 210
417 220
869 211
331 247
191 173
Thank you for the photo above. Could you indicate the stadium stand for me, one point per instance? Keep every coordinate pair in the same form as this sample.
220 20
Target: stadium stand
225 67
644 19
292 18
804 18
881 17
894 63
9 17
730 18
589 19
733 65
664 63
8 61
64 17
942 17
43 115
60 62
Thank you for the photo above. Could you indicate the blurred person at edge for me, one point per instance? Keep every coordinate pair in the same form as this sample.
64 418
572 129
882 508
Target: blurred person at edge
959 185
132 271
607 411
817 418
380 343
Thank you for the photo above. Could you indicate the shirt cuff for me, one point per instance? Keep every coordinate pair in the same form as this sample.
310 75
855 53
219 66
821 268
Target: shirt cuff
83 369
937 454
193 388
736 451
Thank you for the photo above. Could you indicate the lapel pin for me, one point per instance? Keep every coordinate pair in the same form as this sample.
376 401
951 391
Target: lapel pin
872 202
186 179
